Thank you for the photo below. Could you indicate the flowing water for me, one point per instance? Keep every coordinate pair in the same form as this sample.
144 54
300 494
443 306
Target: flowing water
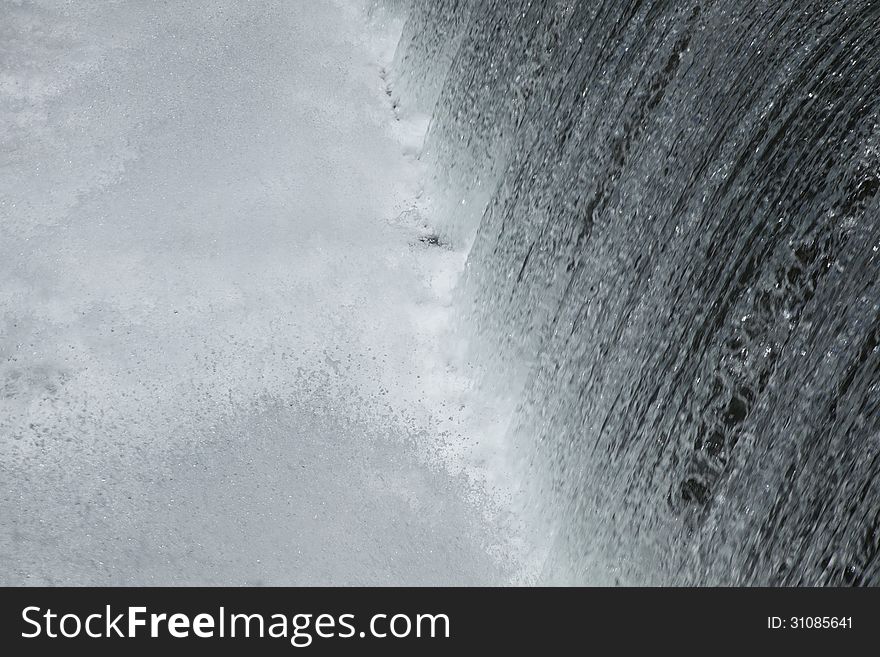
440 291
675 227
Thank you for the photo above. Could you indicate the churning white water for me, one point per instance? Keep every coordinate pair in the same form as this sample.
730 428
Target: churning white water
225 348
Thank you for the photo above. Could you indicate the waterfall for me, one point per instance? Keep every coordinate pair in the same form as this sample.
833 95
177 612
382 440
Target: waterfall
673 222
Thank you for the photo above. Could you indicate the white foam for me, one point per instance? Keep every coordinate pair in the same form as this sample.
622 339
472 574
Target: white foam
225 346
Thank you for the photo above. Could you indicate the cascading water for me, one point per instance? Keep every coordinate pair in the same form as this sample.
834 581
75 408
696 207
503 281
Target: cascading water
675 224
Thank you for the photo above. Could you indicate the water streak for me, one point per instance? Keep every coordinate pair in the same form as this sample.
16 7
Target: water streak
674 215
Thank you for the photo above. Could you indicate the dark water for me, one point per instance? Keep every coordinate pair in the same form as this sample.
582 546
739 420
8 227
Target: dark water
675 221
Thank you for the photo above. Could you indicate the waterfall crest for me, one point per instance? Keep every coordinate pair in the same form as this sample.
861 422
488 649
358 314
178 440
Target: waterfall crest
675 227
